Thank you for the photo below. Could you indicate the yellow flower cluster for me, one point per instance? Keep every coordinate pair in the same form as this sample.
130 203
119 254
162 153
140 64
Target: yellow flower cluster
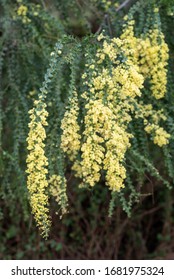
37 166
70 139
116 82
146 110
104 147
22 12
58 190
150 52
158 134
105 139
161 137
130 42
153 62
97 120
116 147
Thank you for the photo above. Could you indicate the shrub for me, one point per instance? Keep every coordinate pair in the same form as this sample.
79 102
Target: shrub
104 113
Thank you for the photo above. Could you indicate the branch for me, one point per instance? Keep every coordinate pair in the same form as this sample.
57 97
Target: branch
106 16
106 20
124 4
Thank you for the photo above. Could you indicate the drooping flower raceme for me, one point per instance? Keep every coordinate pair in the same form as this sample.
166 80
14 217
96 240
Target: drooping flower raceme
153 62
150 52
37 166
105 138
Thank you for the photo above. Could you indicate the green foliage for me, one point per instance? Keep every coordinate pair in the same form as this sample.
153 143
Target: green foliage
25 48
61 36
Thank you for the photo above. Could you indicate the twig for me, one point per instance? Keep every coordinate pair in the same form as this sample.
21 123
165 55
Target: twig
106 17
148 212
107 21
124 4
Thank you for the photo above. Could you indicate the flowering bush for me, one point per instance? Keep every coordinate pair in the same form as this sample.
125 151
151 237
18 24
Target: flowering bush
105 102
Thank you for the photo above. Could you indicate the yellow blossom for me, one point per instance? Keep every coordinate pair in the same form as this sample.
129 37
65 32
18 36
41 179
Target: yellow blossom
161 137
37 167
70 139
22 10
